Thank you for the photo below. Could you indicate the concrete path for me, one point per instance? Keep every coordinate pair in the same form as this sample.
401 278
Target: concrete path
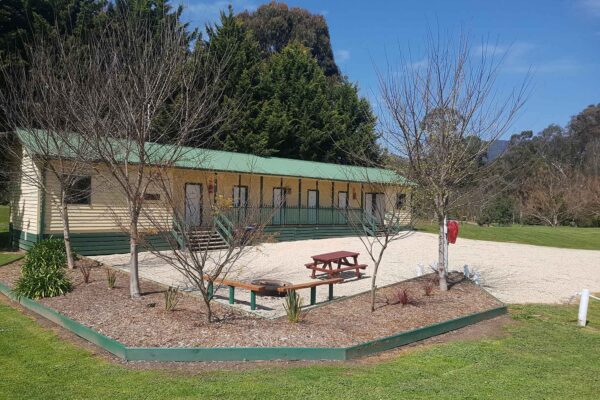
515 273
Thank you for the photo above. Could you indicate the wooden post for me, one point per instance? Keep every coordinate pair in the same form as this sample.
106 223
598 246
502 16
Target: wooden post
231 295
347 194
330 291
252 300
215 189
313 295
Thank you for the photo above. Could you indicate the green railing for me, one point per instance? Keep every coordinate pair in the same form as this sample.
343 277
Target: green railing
295 215
369 224
224 227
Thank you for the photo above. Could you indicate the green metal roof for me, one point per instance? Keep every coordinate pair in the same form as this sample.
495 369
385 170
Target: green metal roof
226 161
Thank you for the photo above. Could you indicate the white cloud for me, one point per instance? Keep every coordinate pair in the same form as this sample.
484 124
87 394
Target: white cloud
342 55
591 7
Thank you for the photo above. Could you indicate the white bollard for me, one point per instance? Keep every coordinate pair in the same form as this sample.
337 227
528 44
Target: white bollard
583 307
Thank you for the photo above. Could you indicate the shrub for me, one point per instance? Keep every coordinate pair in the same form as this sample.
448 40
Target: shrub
293 306
111 278
44 271
172 297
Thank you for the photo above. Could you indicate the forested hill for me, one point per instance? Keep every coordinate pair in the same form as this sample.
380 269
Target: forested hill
284 91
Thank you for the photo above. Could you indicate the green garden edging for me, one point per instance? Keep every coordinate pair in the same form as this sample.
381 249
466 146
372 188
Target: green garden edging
249 353
108 344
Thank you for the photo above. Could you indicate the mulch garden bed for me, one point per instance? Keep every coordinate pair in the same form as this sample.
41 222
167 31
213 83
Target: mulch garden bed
145 322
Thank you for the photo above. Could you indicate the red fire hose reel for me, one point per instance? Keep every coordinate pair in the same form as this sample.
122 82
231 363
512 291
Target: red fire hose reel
452 231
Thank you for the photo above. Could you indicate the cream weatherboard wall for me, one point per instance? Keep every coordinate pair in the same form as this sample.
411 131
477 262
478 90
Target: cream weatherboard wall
100 227
107 211
25 201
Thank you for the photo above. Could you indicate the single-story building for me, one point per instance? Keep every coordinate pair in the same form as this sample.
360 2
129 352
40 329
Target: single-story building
302 199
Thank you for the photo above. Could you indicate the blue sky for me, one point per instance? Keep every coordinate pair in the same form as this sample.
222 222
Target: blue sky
559 40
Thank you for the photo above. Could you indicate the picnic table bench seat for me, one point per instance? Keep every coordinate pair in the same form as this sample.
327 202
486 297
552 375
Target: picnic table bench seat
332 272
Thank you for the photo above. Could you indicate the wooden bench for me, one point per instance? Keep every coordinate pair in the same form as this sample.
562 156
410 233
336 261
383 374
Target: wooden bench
313 288
334 271
258 289
231 284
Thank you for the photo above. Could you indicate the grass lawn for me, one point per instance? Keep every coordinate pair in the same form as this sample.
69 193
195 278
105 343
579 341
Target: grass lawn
545 356
4 218
9 257
563 236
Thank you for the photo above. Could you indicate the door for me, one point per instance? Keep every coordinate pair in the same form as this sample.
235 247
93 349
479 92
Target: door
240 201
278 206
193 205
379 209
342 200
313 205
340 213
368 206
375 206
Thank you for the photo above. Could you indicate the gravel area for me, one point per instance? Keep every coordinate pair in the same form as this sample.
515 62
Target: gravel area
514 273
145 322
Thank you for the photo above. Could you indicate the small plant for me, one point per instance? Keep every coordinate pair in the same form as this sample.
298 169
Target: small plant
400 296
428 288
86 271
172 297
111 278
44 271
293 306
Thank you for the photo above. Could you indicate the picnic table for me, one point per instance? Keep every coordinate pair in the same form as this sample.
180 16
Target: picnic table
324 263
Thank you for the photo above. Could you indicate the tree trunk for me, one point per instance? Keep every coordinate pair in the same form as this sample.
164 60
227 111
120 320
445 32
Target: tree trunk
209 314
442 267
67 233
134 282
374 286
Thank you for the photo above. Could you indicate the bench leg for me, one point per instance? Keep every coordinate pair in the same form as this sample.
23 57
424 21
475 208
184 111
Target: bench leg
252 300
330 292
313 295
358 273
209 290
231 294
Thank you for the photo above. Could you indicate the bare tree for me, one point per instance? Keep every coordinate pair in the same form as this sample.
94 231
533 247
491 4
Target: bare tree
386 218
233 230
443 113
33 101
150 89
126 88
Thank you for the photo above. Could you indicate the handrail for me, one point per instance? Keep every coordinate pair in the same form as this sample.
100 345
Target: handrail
369 224
224 227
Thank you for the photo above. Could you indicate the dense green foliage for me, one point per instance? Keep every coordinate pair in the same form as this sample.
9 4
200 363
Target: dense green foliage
563 236
43 273
544 356
282 102
280 84
275 25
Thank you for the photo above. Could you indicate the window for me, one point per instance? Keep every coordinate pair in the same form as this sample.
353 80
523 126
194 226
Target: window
152 196
400 200
79 190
